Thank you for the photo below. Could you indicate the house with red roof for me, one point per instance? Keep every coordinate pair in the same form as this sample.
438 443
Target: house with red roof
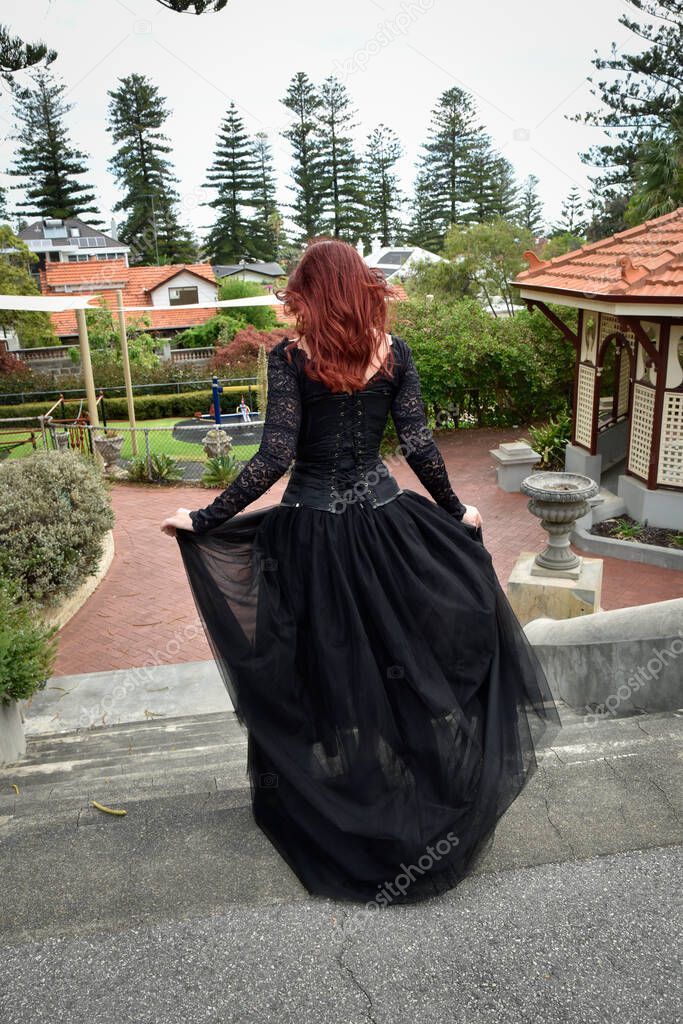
146 289
627 408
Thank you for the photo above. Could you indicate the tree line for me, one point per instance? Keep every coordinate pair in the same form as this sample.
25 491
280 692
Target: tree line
336 189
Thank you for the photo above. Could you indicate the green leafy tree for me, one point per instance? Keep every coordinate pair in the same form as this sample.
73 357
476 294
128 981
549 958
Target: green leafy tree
16 55
422 229
484 370
50 167
488 183
266 223
383 194
447 164
342 182
260 317
233 177
492 254
658 174
303 101
640 99
444 280
530 211
561 243
141 166
194 6
16 260
572 220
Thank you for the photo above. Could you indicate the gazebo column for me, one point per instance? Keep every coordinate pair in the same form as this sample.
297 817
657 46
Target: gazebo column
581 454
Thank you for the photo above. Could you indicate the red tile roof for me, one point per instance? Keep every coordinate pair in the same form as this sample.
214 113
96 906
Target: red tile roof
103 277
643 262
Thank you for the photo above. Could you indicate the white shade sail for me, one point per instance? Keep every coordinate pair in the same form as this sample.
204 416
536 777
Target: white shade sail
45 303
63 303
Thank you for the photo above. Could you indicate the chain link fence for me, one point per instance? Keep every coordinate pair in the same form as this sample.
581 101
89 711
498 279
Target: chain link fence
173 451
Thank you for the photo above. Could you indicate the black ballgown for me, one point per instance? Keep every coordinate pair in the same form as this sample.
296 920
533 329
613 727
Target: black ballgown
393 703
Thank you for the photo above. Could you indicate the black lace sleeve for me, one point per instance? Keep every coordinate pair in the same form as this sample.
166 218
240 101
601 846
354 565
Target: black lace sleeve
417 442
276 451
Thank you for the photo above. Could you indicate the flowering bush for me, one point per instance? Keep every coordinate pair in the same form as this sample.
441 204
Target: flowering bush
241 355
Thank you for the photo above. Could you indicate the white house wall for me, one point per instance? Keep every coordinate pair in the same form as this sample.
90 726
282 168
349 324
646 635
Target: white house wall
206 290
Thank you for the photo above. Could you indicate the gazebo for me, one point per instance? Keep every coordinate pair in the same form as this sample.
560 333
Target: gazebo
627 408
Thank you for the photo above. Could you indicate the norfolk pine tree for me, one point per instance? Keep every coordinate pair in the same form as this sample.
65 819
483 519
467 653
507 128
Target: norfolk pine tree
145 174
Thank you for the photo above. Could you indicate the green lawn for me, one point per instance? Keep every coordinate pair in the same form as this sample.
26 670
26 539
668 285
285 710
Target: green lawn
160 441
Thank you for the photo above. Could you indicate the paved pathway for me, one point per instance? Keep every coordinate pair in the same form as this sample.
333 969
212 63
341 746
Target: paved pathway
143 613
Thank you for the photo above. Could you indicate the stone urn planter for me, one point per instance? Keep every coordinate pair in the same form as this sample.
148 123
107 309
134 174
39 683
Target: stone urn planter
216 442
558 499
108 445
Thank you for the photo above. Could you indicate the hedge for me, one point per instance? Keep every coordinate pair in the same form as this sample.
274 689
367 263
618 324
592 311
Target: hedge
147 407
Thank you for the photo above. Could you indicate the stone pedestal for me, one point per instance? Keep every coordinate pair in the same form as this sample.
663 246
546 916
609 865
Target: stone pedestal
514 461
578 460
533 596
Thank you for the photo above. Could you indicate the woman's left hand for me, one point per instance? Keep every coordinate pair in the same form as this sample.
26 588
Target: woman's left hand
472 516
179 521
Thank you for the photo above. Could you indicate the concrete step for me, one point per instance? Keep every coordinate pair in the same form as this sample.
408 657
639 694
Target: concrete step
60 774
188 845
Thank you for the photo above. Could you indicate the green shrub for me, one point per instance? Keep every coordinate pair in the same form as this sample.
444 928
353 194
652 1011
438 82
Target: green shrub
27 647
162 468
54 513
496 371
221 470
550 440
261 317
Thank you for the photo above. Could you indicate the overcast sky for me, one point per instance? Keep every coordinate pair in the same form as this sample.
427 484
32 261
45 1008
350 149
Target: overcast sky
525 64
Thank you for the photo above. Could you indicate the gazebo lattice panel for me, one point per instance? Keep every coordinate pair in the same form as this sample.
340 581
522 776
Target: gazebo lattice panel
642 419
670 468
610 325
585 391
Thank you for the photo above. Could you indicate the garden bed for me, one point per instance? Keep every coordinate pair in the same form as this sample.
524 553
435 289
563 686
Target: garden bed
625 528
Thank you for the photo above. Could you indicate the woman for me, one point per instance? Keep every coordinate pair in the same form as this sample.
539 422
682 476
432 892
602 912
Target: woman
392 701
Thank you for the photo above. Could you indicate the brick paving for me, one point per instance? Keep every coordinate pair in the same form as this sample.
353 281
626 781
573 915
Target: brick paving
143 613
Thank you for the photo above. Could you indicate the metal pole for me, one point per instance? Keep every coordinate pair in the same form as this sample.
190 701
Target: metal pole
216 389
87 367
148 453
123 341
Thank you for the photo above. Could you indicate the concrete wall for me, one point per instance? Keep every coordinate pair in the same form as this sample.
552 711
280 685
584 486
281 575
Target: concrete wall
618 661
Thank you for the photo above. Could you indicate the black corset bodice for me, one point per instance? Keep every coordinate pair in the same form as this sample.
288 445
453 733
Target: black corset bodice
334 441
337 456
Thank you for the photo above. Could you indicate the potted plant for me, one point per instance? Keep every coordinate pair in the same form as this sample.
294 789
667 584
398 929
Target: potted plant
27 653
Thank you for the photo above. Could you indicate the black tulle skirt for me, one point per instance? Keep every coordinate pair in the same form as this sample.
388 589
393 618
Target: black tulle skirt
392 700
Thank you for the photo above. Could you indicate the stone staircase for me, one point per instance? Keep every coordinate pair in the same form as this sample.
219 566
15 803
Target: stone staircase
188 846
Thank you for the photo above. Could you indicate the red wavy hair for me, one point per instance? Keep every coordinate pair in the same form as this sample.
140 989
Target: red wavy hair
340 308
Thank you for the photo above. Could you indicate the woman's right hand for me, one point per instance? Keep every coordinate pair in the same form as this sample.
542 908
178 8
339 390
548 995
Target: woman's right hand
472 516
